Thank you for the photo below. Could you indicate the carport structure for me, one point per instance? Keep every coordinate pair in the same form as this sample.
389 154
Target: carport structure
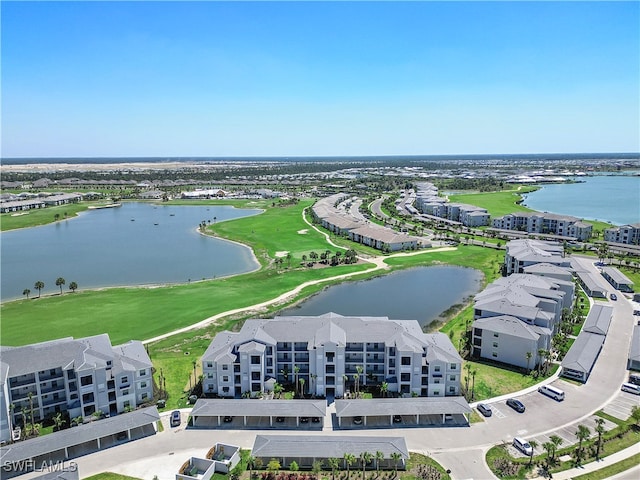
423 411
306 449
21 457
212 412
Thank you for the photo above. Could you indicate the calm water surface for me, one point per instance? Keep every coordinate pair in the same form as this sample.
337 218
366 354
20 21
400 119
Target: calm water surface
416 294
613 198
135 244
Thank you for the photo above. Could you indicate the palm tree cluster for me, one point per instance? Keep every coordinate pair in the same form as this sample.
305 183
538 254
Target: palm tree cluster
330 258
39 286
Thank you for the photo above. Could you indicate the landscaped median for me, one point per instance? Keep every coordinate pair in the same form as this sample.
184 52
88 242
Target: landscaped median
556 459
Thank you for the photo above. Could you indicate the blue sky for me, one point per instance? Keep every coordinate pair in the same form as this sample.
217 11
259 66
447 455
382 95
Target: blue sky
313 78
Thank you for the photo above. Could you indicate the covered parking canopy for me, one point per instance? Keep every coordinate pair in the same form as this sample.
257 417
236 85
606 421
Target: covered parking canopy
306 449
21 457
211 412
416 411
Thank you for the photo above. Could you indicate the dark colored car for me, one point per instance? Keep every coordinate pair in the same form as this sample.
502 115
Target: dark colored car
613 296
315 419
304 419
227 419
485 409
279 419
175 418
357 420
517 405
397 419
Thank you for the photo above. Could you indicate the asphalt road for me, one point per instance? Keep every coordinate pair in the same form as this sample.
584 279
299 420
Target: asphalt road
460 449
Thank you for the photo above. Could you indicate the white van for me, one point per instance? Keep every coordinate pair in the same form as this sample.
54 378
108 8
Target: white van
552 392
631 388
522 445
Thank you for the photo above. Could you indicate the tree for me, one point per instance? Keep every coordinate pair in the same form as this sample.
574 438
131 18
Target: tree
533 444
582 434
273 465
549 448
302 381
349 460
556 441
277 389
59 283
473 382
599 428
26 292
379 458
528 355
395 456
293 466
296 370
467 367
73 286
541 354
334 465
384 389
289 259
356 377
39 285
365 458
58 421
30 396
285 374
316 468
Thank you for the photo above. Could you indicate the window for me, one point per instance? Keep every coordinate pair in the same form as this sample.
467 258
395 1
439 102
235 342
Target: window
496 335
225 367
436 368
87 397
452 378
255 360
125 391
125 380
405 377
143 385
143 372
453 366
406 361
225 378
452 389
126 404
255 375
86 380
495 344
494 354
209 375
436 392
144 396
209 364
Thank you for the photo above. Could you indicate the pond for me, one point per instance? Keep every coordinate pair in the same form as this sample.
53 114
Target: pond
135 244
415 294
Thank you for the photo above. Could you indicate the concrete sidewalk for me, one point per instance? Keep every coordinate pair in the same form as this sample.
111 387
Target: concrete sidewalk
593 466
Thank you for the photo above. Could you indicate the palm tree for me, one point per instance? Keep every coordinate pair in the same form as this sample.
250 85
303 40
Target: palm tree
528 355
73 286
395 456
359 369
541 354
473 382
285 374
467 367
59 283
316 468
533 444
302 381
582 434
334 465
349 459
296 370
250 460
39 285
549 448
379 458
557 441
599 428
384 389
345 379
30 396
26 292
365 457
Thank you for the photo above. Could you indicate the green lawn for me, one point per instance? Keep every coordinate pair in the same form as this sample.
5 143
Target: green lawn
611 470
496 203
42 216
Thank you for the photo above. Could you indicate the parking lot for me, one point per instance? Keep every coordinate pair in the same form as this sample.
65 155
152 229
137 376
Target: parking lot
620 407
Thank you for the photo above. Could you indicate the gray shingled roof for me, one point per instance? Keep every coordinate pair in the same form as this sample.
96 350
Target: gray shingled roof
598 319
590 282
507 325
583 353
634 349
206 407
78 435
617 276
402 406
326 446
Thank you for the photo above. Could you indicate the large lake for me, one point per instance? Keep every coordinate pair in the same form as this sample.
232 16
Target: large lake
135 244
415 294
611 198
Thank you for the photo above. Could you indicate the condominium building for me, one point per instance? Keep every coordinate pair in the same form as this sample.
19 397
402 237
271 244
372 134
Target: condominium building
428 202
545 223
628 234
78 376
331 355
526 252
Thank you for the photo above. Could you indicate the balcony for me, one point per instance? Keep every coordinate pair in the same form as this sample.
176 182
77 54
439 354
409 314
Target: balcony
51 389
43 377
53 401
22 381
354 348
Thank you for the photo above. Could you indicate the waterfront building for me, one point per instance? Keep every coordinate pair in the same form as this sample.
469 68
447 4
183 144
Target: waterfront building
77 376
428 202
523 253
331 355
628 234
544 223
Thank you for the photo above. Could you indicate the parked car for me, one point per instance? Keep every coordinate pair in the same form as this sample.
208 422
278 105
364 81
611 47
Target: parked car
279 419
517 405
485 409
304 419
613 296
315 419
175 418
522 445
227 419
357 420
397 419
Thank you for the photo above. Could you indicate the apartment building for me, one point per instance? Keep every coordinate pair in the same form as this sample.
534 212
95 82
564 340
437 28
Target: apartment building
628 234
428 202
328 354
545 223
523 253
78 376
519 314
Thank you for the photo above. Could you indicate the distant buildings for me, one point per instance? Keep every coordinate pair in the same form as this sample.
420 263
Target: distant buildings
428 202
628 234
544 223
331 355
528 252
80 377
